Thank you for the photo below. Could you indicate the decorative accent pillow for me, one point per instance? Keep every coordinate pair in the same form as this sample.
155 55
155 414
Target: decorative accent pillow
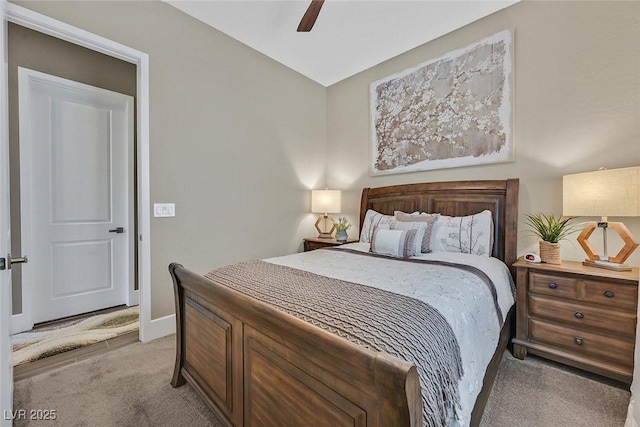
407 221
471 234
396 243
372 219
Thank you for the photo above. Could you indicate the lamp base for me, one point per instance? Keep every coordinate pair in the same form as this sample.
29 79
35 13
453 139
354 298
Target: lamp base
606 264
610 263
323 233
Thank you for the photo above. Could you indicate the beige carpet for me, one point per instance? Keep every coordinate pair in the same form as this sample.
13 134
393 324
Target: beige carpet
130 387
538 393
50 340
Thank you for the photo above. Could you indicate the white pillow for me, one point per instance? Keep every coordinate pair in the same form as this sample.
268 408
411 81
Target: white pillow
396 243
372 219
471 234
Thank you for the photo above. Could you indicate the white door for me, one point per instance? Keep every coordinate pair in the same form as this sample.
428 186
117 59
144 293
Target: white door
76 196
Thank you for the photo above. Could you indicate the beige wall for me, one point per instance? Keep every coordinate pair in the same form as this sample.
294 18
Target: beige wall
37 51
236 141
576 106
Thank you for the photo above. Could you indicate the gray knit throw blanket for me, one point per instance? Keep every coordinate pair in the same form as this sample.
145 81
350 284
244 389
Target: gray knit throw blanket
378 320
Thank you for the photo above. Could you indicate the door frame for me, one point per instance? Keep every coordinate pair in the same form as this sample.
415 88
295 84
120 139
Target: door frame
6 367
27 76
149 329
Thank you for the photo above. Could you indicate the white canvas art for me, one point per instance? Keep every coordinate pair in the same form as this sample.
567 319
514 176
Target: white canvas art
448 112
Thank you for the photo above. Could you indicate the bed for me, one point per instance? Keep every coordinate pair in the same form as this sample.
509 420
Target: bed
254 364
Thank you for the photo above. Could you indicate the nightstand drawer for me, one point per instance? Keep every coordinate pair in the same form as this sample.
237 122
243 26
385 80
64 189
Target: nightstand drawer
582 342
611 294
559 286
581 315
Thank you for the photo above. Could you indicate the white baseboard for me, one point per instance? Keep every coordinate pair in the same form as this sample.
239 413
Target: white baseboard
158 328
18 324
133 298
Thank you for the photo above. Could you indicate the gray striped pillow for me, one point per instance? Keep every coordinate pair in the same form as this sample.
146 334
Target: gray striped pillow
405 221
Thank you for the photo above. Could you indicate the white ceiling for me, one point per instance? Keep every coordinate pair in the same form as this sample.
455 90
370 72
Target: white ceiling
349 35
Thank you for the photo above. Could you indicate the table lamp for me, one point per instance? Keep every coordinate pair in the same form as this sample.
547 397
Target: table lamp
604 193
325 202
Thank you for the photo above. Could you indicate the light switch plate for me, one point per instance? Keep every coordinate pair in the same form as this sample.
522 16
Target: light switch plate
164 210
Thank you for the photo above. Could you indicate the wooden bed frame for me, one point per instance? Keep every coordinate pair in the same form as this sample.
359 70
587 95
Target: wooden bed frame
255 365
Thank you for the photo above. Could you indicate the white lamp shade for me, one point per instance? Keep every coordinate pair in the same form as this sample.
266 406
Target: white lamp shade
603 193
326 201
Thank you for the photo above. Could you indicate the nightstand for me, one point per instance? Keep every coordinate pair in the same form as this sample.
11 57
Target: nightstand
580 316
312 243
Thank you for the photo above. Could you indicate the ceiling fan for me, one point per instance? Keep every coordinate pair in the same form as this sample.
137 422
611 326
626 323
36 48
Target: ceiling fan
310 16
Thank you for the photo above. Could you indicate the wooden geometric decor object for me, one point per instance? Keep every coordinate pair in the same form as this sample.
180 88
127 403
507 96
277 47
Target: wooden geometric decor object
612 263
323 233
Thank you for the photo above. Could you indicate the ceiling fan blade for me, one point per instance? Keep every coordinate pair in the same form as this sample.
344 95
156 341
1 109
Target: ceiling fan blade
310 16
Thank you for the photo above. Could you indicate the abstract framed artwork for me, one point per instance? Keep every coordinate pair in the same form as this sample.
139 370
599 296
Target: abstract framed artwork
452 111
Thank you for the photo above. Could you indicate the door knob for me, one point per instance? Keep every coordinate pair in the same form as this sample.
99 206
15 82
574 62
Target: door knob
118 230
6 264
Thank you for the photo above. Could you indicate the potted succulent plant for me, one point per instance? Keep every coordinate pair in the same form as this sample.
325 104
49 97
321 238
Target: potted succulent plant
550 230
341 229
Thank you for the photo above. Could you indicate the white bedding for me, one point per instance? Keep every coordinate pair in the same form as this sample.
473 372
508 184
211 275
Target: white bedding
462 299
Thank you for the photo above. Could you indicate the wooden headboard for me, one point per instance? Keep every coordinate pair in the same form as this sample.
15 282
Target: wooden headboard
456 198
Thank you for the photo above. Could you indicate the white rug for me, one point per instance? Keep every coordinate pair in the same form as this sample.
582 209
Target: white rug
48 341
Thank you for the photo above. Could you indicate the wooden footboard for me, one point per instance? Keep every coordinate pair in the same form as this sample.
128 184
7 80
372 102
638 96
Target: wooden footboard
255 365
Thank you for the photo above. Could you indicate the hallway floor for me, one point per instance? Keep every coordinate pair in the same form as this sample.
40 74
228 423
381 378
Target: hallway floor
67 341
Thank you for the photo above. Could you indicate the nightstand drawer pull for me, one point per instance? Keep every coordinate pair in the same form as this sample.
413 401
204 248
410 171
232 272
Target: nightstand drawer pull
553 285
609 294
579 315
578 340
